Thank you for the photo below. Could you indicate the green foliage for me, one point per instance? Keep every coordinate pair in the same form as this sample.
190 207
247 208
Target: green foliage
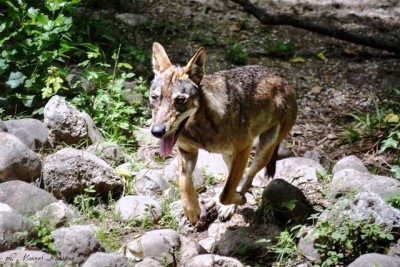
33 41
286 249
236 53
283 49
168 218
86 202
343 241
393 199
109 237
41 237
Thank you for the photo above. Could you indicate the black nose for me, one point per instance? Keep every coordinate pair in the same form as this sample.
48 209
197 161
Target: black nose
158 130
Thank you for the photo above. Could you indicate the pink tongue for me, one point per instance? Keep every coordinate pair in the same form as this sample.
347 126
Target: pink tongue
166 145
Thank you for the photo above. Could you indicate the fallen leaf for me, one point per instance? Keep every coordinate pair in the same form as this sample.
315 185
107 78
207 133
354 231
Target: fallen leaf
391 117
297 60
322 56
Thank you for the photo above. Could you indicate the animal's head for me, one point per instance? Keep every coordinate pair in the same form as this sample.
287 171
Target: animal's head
174 95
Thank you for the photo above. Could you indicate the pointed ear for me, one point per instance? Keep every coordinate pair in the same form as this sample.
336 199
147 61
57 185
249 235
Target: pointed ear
160 59
195 66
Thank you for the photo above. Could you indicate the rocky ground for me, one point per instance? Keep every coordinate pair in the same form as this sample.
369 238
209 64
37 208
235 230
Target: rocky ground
70 198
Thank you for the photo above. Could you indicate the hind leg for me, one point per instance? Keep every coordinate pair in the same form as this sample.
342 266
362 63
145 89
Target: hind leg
267 147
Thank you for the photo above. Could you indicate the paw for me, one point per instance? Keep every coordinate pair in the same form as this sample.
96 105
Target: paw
192 212
225 212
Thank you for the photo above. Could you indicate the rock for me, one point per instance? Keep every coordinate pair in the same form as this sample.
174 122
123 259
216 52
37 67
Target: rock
29 258
355 181
314 155
189 249
158 244
209 244
131 19
5 207
306 245
32 132
69 171
138 208
76 80
171 174
243 241
366 206
66 124
213 260
285 202
13 229
375 259
58 213
394 250
25 198
152 183
109 152
17 161
144 138
101 259
149 262
93 132
3 127
350 162
213 163
297 170
75 244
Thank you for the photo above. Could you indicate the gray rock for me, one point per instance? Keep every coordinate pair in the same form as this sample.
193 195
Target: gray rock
3 127
101 259
152 183
32 132
394 250
243 241
213 260
298 170
75 244
29 258
58 213
375 259
189 249
5 207
366 206
12 225
137 208
25 198
131 19
355 181
149 262
306 245
158 244
284 202
69 171
93 132
350 162
17 161
66 124
109 152
209 244
171 174
213 163
75 78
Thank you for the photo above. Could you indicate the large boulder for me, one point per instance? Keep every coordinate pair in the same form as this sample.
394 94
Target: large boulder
3 127
152 183
17 161
350 162
243 241
13 229
25 198
138 208
32 132
207 260
66 124
69 171
75 244
297 170
101 259
375 259
159 244
284 202
351 180
109 152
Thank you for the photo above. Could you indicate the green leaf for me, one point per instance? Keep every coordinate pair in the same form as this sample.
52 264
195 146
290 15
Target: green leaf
2 27
16 79
124 65
28 100
42 20
389 143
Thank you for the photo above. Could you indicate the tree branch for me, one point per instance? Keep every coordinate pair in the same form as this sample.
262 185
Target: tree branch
305 24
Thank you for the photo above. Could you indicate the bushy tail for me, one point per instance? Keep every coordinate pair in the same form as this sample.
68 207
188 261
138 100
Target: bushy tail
271 166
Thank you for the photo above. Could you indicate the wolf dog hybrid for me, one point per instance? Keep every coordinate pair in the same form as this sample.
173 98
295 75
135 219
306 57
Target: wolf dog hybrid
224 113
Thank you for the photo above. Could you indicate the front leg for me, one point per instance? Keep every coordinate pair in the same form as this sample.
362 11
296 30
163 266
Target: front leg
190 202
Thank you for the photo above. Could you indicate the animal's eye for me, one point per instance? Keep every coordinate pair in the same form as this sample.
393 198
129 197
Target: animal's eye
180 100
154 97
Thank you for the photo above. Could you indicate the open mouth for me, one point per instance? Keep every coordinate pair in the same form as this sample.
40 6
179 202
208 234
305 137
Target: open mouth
167 142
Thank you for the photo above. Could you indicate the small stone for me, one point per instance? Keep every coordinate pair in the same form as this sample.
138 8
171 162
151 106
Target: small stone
138 208
316 90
